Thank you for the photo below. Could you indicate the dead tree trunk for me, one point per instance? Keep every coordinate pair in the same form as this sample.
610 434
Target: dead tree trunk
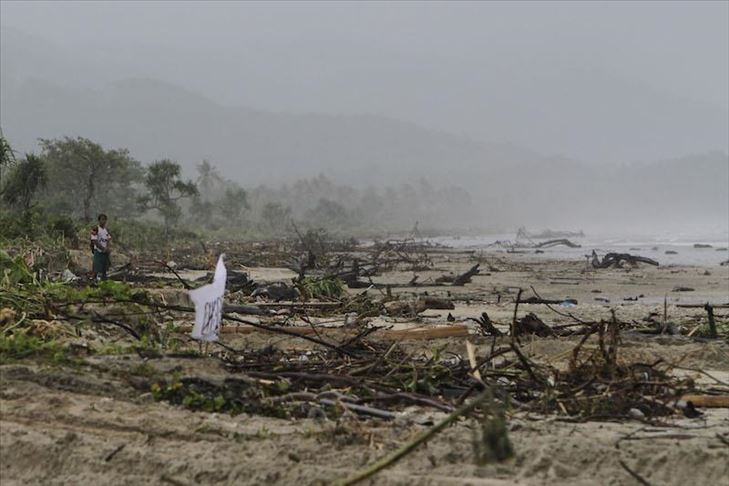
464 278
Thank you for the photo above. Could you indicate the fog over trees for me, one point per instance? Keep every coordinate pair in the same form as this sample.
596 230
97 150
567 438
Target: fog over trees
368 115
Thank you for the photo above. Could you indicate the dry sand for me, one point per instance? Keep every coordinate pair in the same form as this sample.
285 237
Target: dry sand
91 426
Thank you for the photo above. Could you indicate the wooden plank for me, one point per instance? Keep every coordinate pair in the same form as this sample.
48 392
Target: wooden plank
428 332
708 401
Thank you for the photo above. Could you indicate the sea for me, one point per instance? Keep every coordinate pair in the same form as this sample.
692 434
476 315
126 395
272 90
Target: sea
672 248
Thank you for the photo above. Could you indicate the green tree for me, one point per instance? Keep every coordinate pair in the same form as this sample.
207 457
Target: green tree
24 182
165 188
83 175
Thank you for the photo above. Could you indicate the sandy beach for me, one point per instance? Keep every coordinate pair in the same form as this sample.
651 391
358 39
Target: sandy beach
91 424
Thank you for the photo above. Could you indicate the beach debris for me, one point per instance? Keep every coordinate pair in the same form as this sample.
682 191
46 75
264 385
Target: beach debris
68 276
414 307
680 288
277 291
539 300
459 280
707 401
671 252
208 302
702 245
559 242
618 260
531 324
633 299
486 327
236 280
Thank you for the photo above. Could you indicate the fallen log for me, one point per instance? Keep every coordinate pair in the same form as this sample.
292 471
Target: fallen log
559 242
459 280
464 278
537 300
707 401
407 307
617 260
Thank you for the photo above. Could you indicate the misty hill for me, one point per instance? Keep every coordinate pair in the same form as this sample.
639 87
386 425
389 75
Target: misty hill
508 185
156 120
550 102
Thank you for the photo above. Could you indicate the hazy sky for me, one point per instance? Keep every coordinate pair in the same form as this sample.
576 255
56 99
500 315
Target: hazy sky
443 65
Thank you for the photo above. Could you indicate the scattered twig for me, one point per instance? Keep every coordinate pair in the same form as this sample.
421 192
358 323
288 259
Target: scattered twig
413 444
635 475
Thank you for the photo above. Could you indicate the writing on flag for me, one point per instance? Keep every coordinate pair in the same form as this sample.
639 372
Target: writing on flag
208 301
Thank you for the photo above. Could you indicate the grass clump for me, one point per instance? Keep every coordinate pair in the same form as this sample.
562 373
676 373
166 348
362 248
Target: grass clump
321 288
232 396
491 441
19 346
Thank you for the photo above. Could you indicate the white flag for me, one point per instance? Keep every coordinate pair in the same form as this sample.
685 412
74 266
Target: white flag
208 301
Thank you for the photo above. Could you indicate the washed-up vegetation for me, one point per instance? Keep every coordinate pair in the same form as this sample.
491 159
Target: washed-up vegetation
343 333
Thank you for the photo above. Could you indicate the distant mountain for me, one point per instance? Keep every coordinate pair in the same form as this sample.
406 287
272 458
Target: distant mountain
546 103
155 120
509 185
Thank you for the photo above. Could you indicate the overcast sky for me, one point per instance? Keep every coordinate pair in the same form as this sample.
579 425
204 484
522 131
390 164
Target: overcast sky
442 65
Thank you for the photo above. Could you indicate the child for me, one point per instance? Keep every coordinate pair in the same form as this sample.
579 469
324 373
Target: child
100 239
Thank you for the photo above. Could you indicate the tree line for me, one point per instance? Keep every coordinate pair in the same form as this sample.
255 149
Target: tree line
78 178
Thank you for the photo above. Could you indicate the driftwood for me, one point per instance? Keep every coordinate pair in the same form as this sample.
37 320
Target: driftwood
405 307
539 300
277 291
708 401
487 327
531 324
559 242
617 260
459 280
525 234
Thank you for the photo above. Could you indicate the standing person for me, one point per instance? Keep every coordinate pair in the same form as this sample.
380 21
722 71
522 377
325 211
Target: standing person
100 239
